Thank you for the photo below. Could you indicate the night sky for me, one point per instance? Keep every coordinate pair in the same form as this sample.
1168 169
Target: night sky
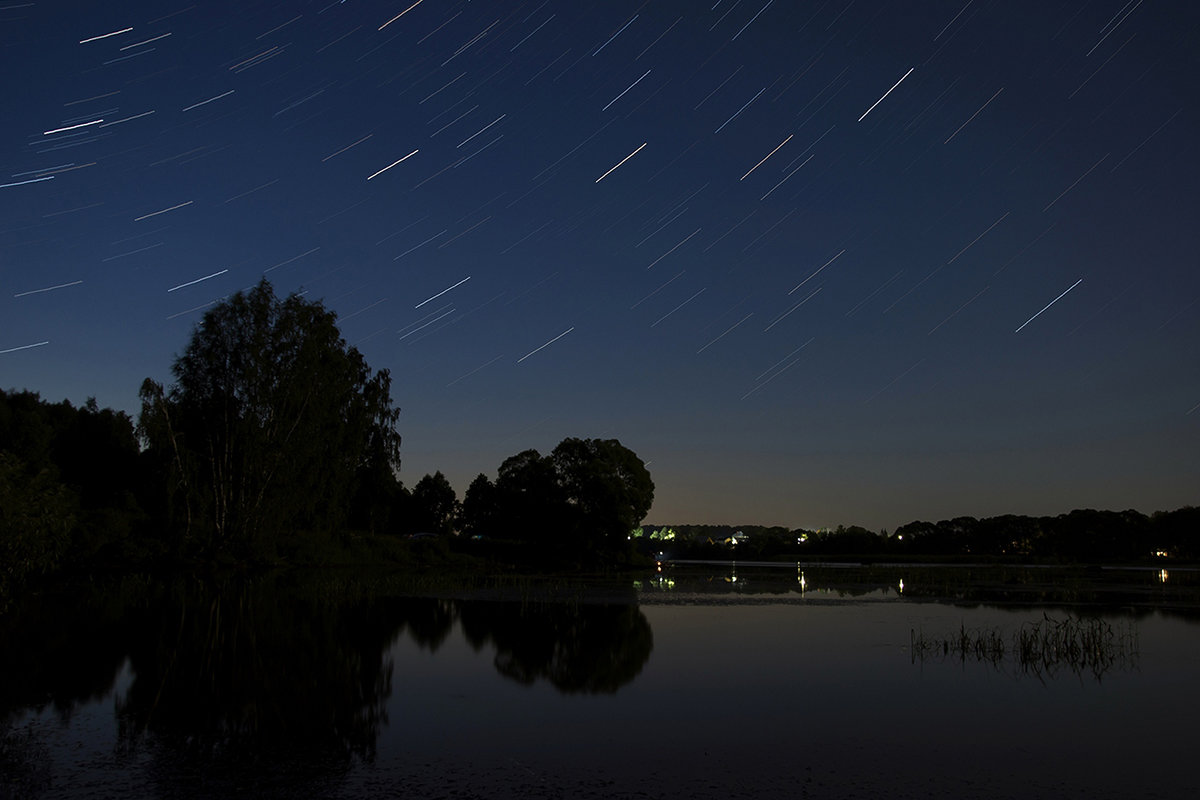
815 262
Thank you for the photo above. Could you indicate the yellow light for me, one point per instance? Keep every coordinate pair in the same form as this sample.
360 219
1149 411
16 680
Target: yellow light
1162 576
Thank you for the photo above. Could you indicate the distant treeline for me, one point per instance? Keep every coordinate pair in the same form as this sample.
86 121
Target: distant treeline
1083 535
78 489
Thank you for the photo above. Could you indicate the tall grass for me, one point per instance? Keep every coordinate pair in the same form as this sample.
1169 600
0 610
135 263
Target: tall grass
1041 648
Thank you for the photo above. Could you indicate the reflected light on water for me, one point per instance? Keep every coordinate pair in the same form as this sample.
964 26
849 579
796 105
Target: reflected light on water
800 579
1162 576
902 586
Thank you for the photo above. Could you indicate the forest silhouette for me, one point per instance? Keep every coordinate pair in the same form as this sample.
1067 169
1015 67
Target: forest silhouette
278 445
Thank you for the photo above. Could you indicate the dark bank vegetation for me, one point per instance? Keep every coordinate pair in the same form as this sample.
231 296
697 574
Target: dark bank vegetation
275 445
274 429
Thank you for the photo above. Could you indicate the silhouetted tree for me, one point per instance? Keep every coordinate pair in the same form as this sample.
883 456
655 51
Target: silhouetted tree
434 505
479 507
272 420
581 501
528 499
401 509
607 489
380 502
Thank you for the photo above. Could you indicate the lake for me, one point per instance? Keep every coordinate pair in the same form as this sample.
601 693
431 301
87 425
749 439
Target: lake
703 680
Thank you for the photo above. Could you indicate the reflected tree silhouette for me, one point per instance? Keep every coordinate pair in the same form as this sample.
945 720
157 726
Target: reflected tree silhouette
238 684
256 683
59 652
576 647
246 661
62 650
427 620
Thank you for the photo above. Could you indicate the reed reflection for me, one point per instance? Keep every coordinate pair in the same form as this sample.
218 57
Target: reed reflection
1042 648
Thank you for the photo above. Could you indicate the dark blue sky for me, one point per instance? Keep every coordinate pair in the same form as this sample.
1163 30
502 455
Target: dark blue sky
792 254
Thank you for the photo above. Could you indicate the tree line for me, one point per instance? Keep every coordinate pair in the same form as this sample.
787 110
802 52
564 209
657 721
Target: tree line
275 437
276 440
1082 535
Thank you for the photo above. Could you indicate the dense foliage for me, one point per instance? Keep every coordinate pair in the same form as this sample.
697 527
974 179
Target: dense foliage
272 428
434 506
68 478
579 502
277 443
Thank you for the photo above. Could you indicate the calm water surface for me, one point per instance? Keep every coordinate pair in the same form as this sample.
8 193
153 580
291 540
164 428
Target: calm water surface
703 681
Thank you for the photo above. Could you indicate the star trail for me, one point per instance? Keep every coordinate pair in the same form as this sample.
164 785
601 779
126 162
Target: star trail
791 288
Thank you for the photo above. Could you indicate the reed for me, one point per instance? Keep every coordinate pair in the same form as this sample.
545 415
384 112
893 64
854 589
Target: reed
1041 648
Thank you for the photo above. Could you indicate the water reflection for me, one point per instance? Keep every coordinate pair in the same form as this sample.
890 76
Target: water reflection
262 678
284 687
1140 588
749 579
276 679
219 666
576 647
